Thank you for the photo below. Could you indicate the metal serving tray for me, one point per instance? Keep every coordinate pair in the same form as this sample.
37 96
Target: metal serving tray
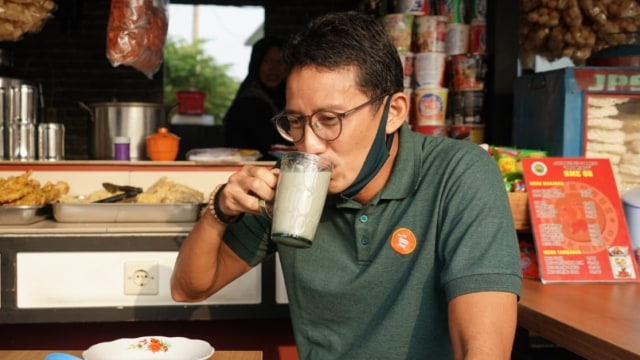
22 215
125 212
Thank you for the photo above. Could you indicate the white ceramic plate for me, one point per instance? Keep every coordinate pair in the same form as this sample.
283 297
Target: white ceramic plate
150 347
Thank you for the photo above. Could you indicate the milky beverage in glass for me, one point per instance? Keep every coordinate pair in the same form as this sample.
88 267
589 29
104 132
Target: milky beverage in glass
300 196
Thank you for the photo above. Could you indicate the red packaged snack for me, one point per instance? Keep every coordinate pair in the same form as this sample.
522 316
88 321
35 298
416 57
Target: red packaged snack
136 34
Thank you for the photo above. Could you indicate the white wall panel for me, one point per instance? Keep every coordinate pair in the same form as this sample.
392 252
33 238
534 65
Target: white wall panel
96 279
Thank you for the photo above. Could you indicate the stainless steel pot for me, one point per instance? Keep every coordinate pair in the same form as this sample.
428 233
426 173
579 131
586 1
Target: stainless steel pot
136 120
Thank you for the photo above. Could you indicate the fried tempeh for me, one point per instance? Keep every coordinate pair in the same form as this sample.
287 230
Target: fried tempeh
21 190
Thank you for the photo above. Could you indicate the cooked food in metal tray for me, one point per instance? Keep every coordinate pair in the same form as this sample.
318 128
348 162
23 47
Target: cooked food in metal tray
23 190
163 191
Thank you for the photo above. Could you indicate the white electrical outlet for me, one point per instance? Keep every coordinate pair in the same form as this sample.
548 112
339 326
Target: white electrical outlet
141 278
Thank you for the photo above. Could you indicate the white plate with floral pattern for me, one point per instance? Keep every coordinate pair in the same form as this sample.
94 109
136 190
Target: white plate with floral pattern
150 347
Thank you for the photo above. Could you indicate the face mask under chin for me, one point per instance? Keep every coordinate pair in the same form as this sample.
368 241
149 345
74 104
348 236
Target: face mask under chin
377 156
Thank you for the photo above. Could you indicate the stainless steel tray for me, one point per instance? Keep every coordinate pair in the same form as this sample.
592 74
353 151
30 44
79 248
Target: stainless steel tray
125 212
22 215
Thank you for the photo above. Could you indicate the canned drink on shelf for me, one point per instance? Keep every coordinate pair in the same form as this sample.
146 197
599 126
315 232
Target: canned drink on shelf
468 71
478 37
430 104
399 30
429 34
457 39
429 69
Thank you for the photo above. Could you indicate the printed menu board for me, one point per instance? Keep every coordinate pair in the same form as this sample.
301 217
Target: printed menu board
577 219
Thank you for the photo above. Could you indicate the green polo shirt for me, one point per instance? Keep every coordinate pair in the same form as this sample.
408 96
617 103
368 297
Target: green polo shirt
376 281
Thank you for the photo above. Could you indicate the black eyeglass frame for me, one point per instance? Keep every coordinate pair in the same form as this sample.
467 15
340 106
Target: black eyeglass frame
308 119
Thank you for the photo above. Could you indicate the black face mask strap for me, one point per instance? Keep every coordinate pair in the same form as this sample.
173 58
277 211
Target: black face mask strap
378 155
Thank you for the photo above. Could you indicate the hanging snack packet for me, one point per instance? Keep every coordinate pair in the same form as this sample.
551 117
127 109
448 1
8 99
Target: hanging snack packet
136 34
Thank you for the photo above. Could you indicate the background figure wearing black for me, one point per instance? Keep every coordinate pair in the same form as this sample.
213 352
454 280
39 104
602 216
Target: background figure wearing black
261 95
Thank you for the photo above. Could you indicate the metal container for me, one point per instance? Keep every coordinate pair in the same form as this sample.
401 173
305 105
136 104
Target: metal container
136 120
22 214
22 142
50 141
124 212
23 104
8 109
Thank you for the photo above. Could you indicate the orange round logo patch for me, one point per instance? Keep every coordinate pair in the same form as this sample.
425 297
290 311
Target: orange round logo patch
403 241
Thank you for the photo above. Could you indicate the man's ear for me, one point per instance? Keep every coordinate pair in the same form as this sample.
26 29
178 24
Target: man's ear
398 111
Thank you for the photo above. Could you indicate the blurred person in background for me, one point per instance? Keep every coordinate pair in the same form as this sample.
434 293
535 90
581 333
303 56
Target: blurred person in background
247 123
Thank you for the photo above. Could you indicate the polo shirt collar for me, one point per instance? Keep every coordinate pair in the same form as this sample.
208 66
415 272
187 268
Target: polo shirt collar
404 177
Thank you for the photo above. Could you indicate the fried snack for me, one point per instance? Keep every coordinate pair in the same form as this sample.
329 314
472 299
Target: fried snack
575 28
166 191
48 193
21 190
16 187
162 191
18 17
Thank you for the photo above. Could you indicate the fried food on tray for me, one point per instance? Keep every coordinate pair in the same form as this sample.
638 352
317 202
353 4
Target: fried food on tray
167 191
163 191
48 193
22 190
15 187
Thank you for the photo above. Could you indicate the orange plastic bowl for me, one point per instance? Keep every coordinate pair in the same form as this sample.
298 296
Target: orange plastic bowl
163 145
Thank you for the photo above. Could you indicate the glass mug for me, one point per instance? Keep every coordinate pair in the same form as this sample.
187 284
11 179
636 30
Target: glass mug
300 196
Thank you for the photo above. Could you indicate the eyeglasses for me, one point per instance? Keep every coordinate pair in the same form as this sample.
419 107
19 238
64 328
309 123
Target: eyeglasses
327 125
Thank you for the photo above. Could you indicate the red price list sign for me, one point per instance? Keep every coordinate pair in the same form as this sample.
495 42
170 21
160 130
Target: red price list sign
577 220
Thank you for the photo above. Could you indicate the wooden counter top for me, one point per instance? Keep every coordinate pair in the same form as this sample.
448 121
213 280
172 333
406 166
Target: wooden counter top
596 321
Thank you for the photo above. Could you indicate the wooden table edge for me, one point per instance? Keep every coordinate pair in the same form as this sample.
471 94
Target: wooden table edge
569 337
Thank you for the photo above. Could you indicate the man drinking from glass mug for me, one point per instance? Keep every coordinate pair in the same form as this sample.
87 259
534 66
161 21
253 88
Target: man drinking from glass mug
415 256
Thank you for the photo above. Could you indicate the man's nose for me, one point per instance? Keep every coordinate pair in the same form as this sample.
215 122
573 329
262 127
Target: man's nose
311 143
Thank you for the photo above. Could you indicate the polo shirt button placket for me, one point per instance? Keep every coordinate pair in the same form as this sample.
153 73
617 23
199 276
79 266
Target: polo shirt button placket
364 239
